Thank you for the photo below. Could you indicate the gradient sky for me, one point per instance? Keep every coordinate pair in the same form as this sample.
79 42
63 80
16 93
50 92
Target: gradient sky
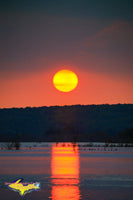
92 38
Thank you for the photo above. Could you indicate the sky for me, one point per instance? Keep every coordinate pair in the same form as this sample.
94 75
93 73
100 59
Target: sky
92 38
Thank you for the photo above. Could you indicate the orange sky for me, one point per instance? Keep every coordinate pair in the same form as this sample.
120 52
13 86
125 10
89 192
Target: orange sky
37 89
92 38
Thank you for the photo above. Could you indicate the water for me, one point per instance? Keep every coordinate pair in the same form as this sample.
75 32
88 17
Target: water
68 173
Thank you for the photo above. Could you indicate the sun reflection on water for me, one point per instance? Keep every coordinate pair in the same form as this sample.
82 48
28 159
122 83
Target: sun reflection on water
65 173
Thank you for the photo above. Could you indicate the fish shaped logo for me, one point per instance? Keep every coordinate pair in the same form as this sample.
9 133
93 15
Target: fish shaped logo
23 188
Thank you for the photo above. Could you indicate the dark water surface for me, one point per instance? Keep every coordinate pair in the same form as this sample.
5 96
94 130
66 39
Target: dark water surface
68 173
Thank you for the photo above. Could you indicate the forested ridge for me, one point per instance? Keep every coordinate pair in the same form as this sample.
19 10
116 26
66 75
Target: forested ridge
101 123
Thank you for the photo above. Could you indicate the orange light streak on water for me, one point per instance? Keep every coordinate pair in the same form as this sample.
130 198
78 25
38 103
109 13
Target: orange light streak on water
65 173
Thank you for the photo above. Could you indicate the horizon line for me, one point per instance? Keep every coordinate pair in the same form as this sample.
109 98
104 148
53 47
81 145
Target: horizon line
65 105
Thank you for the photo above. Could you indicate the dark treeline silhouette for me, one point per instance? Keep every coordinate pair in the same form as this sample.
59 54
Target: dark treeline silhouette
87 123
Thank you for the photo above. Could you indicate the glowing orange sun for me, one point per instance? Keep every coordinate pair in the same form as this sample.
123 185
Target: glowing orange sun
65 80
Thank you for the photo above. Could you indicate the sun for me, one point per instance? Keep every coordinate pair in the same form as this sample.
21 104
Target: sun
65 80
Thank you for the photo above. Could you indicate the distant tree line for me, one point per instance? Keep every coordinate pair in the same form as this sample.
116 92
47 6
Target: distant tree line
90 123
